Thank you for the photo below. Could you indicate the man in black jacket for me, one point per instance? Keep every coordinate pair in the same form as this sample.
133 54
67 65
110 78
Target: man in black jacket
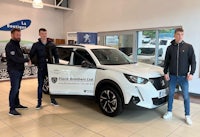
181 64
15 68
44 50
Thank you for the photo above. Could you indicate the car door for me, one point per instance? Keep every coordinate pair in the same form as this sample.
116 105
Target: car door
72 79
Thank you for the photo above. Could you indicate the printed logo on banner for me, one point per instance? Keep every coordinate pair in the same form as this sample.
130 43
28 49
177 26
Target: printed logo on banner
21 24
54 79
86 38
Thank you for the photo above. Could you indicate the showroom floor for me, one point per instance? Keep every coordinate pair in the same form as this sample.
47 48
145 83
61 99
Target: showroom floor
81 117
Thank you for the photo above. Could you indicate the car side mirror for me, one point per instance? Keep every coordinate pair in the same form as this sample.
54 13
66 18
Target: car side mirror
86 64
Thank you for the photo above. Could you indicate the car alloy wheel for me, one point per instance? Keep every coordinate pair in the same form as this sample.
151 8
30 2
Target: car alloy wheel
3 74
27 71
109 101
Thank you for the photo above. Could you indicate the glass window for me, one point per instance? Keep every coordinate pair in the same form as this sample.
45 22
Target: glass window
112 41
80 55
111 57
64 53
146 51
151 52
126 43
146 46
165 37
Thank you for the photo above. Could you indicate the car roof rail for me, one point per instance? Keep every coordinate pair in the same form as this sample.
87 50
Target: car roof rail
79 45
76 45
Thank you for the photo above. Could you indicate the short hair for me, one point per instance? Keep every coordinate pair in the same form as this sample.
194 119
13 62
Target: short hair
42 29
14 30
178 30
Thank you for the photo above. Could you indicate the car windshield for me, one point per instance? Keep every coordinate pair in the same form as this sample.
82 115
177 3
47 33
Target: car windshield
111 57
146 51
163 42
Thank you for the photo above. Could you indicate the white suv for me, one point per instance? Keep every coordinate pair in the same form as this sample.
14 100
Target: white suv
109 75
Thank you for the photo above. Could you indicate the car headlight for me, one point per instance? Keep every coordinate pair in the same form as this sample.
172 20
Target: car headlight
136 79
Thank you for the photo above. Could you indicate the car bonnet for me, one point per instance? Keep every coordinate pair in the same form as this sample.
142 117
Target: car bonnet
137 69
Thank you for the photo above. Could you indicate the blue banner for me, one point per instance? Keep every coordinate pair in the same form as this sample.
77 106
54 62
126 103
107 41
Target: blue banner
86 38
20 24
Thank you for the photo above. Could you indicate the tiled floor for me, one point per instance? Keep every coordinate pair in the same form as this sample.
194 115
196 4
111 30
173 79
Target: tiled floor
81 117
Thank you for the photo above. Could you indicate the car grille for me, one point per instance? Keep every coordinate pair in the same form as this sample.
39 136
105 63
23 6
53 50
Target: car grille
159 83
160 101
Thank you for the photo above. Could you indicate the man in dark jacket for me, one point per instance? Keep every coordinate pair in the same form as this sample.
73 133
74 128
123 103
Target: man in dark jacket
15 68
44 50
181 64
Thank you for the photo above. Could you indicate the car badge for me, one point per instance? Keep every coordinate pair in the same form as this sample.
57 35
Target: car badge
54 79
162 82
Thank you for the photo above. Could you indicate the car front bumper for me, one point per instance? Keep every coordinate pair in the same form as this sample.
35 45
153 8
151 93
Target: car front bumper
148 96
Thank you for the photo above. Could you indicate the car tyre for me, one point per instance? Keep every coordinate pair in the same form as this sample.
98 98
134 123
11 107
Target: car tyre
109 101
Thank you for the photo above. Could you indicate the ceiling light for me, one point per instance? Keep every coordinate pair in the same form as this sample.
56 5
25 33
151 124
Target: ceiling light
37 4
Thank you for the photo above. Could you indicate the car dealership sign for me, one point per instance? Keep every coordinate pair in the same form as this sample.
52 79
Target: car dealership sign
86 38
21 24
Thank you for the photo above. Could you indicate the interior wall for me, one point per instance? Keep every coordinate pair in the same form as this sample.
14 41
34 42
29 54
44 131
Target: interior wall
111 15
49 18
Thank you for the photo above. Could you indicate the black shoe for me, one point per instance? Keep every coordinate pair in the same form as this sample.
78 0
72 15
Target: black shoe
14 113
38 106
54 103
21 107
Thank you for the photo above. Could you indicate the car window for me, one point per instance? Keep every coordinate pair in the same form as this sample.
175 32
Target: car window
163 42
111 57
64 53
80 55
146 51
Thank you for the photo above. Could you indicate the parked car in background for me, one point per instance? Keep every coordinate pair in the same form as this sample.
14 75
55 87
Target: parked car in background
146 53
30 71
146 39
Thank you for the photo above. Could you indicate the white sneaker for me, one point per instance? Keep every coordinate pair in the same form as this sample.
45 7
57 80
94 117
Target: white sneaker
188 120
167 115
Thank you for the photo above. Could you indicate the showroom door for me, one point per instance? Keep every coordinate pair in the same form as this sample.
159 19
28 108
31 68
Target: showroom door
71 80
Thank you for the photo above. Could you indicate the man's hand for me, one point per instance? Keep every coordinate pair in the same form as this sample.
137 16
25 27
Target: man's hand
166 77
29 63
189 77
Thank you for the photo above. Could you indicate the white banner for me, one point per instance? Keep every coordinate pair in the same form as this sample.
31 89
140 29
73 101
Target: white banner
71 80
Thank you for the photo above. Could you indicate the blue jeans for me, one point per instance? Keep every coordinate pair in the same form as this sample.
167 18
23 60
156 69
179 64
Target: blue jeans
15 81
183 82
